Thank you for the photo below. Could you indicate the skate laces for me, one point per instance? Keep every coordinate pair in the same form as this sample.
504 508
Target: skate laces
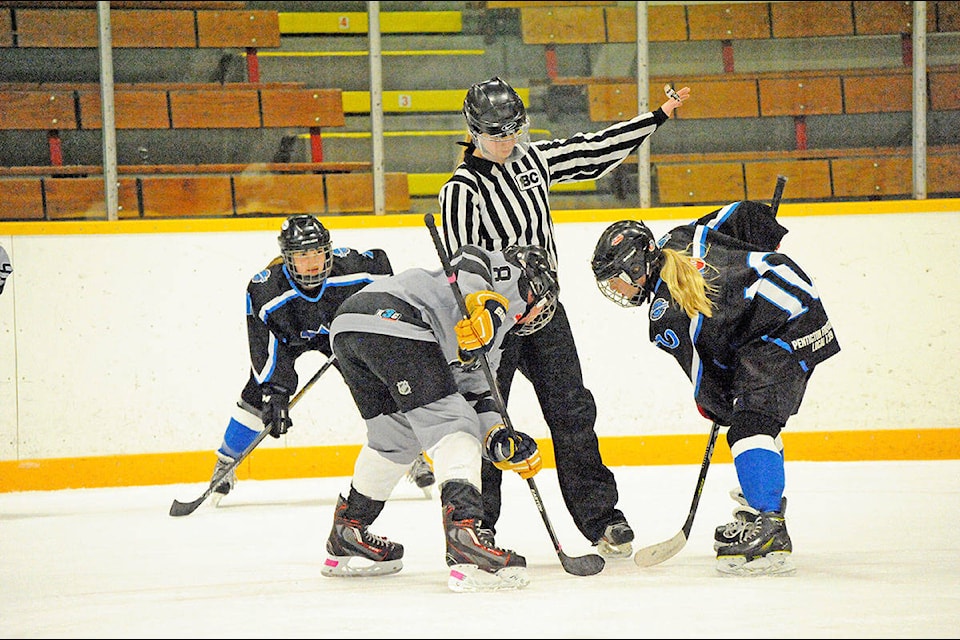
363 534
743 525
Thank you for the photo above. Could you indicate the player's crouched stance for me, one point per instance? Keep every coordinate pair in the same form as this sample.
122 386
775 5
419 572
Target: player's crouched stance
476 563
747 325
408 357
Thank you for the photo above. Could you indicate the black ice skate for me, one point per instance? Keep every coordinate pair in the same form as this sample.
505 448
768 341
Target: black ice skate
744 518
355 552
764 548
615 541
475 564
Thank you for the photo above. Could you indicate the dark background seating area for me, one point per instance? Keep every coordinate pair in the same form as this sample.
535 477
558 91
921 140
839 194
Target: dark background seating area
263 108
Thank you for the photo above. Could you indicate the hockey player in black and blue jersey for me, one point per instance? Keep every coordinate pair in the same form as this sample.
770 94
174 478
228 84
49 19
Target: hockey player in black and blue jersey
747 326
290 305
409 358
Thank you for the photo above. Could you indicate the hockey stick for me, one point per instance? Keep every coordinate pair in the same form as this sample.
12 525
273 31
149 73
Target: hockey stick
778 194
186 508
587 565
657 553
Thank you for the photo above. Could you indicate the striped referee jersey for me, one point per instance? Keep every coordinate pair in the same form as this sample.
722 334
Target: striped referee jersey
496 205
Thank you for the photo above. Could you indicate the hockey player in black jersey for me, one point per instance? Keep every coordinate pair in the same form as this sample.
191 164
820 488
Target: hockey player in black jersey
747 326
500 195
290 305
408 356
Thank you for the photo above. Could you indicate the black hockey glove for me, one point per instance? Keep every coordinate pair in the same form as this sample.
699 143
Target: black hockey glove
276 410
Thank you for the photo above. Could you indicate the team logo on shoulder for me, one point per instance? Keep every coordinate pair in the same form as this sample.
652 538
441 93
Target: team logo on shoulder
529 180
403 387
341 251
657 308
389 314
261 277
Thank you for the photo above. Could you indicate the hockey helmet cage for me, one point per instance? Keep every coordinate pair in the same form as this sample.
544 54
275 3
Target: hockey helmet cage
299 234
626 250
538 283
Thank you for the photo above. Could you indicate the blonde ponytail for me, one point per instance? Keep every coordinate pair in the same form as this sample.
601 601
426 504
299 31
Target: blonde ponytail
688 288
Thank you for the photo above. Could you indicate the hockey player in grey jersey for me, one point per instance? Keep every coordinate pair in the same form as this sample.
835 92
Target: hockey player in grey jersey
290 305
408 356
748 327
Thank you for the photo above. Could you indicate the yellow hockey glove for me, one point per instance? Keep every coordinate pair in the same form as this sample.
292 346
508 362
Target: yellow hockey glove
517 452
488 310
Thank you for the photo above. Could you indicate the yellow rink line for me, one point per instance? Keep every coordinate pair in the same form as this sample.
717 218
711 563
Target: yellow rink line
273 463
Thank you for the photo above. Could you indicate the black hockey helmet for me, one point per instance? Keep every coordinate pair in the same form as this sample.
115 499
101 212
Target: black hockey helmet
302 233
626 250
538 282
493 108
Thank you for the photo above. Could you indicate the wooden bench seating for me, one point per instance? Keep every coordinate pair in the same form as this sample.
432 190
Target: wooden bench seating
184 191
789 93
576 23
580 23
814 174
150 28
145 28
64 107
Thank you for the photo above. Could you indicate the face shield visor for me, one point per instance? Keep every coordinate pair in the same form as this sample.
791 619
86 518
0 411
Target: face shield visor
506 146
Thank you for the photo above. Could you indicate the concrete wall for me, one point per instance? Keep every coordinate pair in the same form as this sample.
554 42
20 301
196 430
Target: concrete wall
129 338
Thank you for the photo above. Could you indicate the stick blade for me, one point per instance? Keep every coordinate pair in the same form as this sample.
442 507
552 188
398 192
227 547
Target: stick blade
587 565
660 552
185 508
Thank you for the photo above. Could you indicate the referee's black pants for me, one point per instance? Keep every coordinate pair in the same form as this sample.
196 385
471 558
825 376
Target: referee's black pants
549 360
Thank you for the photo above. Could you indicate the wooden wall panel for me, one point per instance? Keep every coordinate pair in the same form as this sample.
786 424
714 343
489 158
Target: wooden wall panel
21 199
723 21
811 19
878 94
186 196
866 177
700 183
806 179
273 194
84 198
563 25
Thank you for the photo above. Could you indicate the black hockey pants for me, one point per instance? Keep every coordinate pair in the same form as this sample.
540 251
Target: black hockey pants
549 360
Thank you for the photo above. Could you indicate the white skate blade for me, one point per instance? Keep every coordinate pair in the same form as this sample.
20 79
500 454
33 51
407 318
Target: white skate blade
608 550
215 498
775 563
469 578
357 567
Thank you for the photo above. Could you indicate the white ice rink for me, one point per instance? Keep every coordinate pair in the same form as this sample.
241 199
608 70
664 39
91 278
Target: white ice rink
877 546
